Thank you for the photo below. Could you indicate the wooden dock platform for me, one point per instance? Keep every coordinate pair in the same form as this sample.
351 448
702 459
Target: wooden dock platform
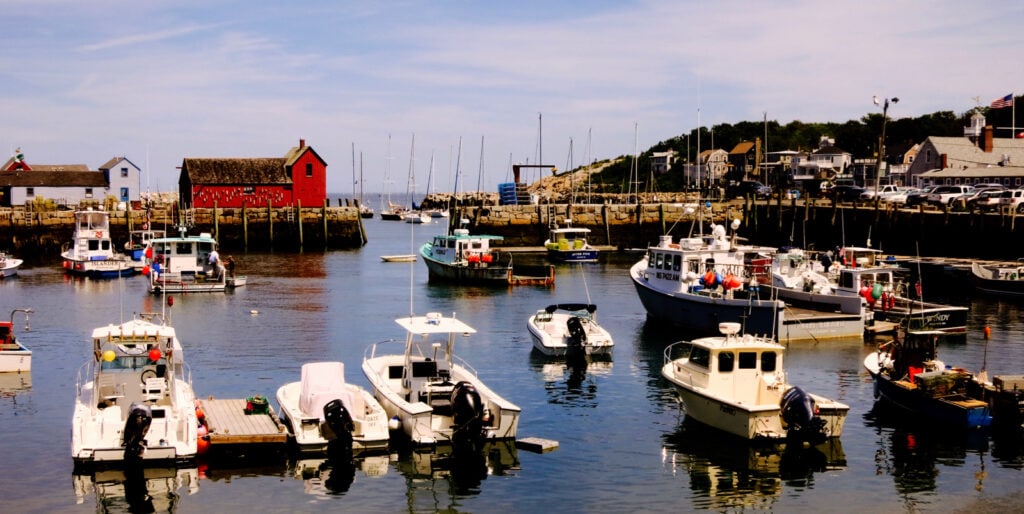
228 424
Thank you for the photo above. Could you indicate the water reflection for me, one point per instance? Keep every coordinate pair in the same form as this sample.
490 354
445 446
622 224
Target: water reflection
727 473
333 477
137 490
913 453
437 478
570 381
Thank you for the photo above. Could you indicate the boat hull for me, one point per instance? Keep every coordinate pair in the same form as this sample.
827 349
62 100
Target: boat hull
10 269
96 432
762 421
467 274
702 314
15 361
106 268
582 255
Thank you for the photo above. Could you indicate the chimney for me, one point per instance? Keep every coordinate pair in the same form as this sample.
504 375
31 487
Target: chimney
945 161
302 143
987 139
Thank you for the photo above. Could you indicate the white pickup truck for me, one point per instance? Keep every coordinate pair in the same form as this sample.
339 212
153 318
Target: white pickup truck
883 191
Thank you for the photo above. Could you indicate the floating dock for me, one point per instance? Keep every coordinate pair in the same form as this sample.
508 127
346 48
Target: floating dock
228 424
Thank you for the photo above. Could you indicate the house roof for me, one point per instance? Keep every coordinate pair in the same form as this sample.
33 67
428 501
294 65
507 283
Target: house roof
830 150
37 178
976 172
964 150
260 170
742 147
47 167
240 170
114 161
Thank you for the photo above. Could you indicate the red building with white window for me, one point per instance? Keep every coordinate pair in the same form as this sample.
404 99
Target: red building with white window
298 177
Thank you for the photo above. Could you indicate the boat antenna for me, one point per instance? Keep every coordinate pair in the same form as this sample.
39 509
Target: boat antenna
412 267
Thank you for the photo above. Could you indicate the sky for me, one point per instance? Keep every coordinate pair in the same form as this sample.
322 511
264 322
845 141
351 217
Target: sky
397 84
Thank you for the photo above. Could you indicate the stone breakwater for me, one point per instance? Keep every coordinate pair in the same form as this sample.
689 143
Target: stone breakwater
39 236
928 233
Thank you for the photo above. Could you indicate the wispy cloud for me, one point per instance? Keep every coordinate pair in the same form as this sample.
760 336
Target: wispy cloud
150 37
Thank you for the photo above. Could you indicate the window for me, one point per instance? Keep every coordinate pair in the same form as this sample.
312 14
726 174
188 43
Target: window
748 360
124 194
700 356
88 192
124 172
309 169
768 360
726 361
30 191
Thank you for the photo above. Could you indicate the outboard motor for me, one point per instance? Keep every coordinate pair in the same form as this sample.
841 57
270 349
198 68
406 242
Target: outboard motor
799 419
340 425
467 413
135 429
577 333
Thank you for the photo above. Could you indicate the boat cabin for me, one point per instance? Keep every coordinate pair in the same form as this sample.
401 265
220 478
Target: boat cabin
460 247
567 238
727 366
426 373
134 367
184 255
92 235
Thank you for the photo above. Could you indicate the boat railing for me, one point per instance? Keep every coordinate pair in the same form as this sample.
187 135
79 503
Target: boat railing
371 351
85 370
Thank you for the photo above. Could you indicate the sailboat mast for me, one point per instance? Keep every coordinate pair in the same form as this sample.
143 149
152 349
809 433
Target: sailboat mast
480 173
411 184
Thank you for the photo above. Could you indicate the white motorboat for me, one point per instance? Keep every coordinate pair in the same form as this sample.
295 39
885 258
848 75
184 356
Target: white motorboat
134 400
569 329
324 413
417 217
14 356
737 383
182 265
432 395
91 252
409 257
9 265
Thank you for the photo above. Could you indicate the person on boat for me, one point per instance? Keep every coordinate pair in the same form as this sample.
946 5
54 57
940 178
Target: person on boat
215 264
230 264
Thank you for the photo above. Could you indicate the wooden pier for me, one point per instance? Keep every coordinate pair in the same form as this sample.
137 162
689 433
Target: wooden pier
228 424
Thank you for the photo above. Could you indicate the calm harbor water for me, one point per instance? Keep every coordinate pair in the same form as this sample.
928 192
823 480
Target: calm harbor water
623 444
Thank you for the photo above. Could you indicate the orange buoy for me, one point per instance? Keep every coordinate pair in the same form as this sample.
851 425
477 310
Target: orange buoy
988 333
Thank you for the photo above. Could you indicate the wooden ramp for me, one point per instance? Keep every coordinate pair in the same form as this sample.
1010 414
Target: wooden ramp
228 423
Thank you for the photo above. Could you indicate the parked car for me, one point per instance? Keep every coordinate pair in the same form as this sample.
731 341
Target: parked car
751 188
944 195
921 196
985 200
846 193
898 197
1012 199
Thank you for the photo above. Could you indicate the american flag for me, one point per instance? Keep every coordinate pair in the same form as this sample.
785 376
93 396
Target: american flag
1005 101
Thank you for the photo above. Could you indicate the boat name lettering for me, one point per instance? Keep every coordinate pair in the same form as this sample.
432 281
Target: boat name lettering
727 409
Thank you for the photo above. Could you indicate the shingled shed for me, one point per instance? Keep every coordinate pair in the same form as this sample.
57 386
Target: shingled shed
299 176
